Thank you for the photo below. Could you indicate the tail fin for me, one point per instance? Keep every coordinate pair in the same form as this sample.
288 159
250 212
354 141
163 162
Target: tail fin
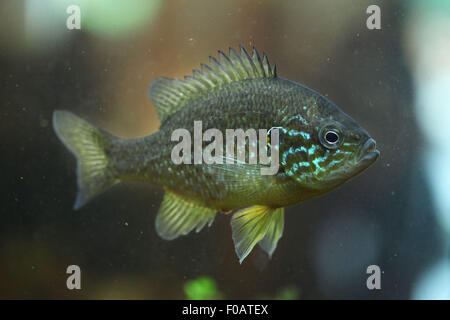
94 171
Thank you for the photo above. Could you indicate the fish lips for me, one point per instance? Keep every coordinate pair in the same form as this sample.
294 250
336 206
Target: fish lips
368 153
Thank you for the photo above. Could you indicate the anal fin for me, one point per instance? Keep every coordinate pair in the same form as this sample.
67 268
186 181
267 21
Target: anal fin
178 216
257 224
274 232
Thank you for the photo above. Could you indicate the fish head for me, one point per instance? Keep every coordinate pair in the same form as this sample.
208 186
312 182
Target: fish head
327 149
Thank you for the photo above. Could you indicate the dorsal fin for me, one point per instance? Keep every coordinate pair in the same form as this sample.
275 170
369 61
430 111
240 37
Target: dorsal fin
169 95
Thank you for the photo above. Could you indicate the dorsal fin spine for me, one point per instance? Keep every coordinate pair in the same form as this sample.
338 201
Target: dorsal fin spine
215 65
203 78
243 73
170 95
211 73
175 91
195 82
249 62
266 65
257 61
226 64
186 85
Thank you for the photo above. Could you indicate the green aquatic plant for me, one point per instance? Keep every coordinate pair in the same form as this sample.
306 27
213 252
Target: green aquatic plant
288 293
201 288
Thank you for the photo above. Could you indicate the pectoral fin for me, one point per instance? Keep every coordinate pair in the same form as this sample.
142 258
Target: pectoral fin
178 216
256 224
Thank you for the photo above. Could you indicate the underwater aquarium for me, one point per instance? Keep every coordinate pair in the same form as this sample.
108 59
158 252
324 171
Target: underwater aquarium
217 150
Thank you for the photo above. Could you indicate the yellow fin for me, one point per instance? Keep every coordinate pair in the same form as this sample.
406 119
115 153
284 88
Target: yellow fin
254 224
274 232
178 216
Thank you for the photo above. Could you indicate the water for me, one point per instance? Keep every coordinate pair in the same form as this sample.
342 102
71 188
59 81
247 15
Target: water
394 215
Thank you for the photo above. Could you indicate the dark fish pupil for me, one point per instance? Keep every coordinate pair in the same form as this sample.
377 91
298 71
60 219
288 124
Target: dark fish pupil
331 137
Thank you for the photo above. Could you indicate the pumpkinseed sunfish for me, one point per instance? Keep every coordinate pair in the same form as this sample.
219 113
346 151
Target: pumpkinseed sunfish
319 148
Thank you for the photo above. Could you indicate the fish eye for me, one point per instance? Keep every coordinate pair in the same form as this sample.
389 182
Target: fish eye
330 138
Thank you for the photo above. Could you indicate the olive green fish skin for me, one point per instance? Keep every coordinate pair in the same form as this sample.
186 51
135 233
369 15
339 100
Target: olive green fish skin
307 168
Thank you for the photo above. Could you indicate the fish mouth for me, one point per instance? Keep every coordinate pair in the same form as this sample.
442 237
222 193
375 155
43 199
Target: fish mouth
368 152
367 155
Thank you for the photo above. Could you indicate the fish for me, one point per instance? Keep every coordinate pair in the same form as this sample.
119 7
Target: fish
319 148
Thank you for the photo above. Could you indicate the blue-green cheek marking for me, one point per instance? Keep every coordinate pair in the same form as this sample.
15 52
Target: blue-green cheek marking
312 150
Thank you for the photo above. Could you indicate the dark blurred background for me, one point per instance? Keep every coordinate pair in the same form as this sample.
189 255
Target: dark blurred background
388 216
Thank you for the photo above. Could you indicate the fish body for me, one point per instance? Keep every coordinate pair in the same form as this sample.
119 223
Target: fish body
319 148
